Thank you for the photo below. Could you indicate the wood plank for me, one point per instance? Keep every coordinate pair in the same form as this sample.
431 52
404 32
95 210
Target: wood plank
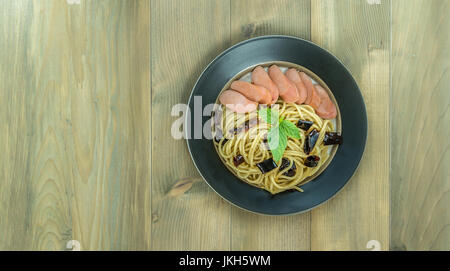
357 32
420 182
253 18
16 92
186 36
76 146
250 19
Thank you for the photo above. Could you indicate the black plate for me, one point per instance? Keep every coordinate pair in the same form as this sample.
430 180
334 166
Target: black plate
353 115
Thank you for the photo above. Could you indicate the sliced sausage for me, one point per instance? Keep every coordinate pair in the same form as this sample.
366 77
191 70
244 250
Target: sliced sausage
261 78
237 102
292 74
309 86
315 100
327 109
288 91
253 92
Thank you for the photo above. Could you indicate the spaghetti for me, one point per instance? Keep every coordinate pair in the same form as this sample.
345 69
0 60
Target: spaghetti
244 136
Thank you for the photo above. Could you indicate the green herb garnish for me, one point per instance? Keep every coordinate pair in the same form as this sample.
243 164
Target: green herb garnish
279 132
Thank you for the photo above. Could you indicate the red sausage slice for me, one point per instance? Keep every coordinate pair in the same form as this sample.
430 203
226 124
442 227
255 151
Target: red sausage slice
315 100
292 74
261 78
327 109
237 102
288 91
253 92
309 86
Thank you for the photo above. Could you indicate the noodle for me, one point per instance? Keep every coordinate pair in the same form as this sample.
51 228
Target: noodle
249 142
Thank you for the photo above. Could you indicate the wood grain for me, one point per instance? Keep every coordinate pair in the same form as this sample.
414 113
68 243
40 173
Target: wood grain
420 183
86 92
358 34
250 19
186 36
77 125
253 18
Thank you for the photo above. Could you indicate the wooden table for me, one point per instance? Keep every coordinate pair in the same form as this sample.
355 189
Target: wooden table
86 91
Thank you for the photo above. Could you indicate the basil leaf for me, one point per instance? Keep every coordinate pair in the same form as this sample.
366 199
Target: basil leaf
290 129
268 115
277 140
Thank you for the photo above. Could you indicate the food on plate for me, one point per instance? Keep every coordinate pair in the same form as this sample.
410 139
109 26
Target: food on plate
261 78
312 161
288 91
309 86
332 138
292 74
275 143
304 124
252 92
313 99
237 102
326 109
310 141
